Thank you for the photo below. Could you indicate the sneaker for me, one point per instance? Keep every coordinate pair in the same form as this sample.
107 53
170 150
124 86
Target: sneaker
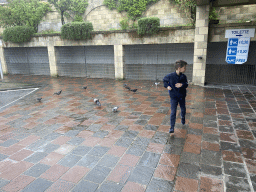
171 132
183 121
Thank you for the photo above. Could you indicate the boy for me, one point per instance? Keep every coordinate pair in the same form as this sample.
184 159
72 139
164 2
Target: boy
176 83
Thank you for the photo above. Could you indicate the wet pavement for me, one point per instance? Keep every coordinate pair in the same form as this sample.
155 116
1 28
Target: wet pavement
68 143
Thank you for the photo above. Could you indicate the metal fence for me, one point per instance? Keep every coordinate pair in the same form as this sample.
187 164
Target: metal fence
27 61
230 74
151 62
218 71
85 61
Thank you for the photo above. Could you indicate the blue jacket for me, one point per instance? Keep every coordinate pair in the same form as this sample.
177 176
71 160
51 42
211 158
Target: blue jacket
171 79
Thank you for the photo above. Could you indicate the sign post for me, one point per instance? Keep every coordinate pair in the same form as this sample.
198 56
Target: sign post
1 71
238 45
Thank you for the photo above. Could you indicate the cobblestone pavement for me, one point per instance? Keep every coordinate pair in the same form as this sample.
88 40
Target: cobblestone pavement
68 143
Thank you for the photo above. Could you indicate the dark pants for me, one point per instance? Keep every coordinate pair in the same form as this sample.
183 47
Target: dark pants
174 104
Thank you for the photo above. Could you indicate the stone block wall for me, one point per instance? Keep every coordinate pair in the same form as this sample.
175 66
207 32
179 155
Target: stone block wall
235 14
169 13
103 18
217 32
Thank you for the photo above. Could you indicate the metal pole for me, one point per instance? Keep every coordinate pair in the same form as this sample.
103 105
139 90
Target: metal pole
1 72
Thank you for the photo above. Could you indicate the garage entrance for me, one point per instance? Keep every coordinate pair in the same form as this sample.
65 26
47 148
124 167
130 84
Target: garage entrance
86 61
218 71
27 60
153 62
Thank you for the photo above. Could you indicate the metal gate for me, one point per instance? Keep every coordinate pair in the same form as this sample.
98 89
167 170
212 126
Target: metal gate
218 71
86 61
71 61
27 60
151 62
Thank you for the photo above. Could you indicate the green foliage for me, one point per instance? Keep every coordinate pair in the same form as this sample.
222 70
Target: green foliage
134 26
23 12
134 8
78 8
148 26
124 23
51 31
70 8
62 6
213 15
111 4
76 30
189 7
18 34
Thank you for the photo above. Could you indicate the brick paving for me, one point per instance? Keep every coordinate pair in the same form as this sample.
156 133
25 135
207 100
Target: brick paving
68 143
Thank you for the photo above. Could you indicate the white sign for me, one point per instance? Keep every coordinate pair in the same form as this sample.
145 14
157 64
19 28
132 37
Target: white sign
237 50
236 33
238 45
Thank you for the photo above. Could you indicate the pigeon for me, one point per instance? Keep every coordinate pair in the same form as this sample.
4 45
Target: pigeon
58 93
85 87
115 109
98 103
128 88
133 90
39 99
157 83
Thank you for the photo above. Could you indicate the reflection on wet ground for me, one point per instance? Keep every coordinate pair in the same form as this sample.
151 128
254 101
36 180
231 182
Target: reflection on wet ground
67 142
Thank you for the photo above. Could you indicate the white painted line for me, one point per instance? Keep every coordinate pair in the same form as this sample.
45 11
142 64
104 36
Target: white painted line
20 97
18 89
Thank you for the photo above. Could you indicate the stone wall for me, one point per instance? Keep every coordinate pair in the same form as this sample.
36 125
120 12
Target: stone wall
217 32
184 34
236 14
103 18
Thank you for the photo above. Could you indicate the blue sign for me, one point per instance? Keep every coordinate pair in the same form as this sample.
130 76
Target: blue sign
237 50
233 42
231 60
232 51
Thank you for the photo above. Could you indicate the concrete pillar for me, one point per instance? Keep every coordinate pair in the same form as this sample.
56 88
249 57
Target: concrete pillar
2 59
119 61
52 60
200 44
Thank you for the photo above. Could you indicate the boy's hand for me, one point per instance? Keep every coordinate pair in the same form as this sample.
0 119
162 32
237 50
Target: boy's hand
178 85
169 88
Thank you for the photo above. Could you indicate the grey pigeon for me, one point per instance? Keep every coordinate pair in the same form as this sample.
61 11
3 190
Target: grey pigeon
133 90
128 88
115 109
125 85
98 103
39 99
85 87
58 93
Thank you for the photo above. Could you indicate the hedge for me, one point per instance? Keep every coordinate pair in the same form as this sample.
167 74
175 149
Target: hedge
76 30
18 34
148 26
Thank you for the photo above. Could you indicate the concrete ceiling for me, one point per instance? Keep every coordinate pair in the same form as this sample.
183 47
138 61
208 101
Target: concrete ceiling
224 3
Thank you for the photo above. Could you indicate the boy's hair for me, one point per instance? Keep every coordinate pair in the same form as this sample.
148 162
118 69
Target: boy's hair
180 64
